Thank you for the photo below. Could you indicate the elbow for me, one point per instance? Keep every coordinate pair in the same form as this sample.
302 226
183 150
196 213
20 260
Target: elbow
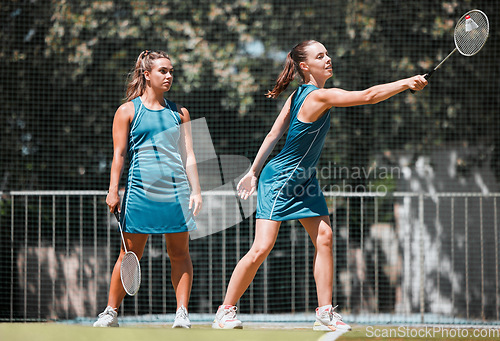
190 160
117 157
272 135
188 157
370 97
120 155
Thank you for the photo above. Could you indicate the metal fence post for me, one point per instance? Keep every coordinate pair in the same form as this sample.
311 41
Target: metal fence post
422 258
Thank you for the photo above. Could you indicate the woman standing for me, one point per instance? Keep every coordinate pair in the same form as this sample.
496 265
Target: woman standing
288 187
162 193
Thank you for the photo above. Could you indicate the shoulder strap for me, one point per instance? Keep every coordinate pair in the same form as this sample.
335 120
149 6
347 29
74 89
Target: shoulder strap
137 112
299 97
173 109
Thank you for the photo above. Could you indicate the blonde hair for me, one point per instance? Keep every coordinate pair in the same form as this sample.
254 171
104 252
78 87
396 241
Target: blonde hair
137 82
294 57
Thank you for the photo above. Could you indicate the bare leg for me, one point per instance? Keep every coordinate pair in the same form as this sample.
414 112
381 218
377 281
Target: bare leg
135 242
182 267
266 232
320 231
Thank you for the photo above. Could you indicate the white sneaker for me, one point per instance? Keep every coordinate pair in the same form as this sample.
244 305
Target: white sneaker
181 318
108 318
225 318
329 320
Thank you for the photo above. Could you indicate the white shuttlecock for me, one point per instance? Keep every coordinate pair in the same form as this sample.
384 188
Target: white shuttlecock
470 24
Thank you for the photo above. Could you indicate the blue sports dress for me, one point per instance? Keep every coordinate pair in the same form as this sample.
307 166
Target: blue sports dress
288 188
157 192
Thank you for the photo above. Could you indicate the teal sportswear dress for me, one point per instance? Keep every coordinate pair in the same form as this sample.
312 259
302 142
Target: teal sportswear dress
288 188
157 192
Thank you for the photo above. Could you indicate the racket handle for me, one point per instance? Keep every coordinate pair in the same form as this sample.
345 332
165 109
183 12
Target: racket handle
429 74
117 214
426 76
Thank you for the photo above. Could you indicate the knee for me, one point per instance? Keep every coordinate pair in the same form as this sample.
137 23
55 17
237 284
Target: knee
258 254
138 253
177 254
325 237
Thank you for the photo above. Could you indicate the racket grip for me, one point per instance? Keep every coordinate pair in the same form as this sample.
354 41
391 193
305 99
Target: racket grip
117 214
426 76
429 74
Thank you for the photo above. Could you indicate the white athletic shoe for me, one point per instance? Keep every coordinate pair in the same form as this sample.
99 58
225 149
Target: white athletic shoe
108 318
181 318
329 320
225 318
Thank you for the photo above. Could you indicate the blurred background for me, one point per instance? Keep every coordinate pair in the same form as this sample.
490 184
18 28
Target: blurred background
427 250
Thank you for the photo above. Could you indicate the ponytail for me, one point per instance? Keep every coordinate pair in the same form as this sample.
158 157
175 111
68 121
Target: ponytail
286 77
137 82
293 59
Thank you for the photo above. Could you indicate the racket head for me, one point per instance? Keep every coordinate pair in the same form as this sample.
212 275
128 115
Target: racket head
130 273
471 32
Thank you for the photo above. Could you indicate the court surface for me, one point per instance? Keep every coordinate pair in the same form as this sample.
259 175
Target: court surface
252 331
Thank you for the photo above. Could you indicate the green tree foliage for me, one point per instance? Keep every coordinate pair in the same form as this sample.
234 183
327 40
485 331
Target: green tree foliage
64 65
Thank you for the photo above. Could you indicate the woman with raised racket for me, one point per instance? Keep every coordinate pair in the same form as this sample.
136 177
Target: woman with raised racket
288 187
162 193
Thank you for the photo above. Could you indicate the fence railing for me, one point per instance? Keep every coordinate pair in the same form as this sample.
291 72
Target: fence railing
403 253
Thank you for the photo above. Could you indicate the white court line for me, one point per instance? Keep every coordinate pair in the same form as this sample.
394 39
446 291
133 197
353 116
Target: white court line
331 336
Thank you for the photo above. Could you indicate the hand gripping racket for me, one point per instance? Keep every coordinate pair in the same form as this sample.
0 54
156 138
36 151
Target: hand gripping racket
471 33
130 268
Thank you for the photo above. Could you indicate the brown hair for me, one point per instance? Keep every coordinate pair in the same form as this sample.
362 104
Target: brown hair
137 82
293 59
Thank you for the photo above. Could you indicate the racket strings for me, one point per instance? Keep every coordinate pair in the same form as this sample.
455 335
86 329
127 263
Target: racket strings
130 273
470 42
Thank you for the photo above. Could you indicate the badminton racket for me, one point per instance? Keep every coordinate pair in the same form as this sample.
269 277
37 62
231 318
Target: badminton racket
471 33
130 268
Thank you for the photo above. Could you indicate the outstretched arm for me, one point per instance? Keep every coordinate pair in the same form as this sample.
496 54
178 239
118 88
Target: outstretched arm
248 183
324 99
